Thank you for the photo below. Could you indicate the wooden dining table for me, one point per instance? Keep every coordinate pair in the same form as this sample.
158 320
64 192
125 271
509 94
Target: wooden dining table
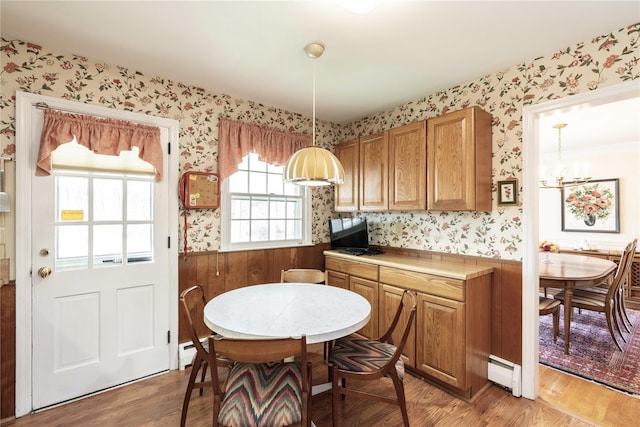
569 272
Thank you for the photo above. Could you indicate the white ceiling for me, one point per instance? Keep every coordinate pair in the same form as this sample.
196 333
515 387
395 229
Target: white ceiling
401 51
597 129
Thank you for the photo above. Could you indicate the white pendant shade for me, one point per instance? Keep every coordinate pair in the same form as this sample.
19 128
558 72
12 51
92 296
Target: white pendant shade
313 166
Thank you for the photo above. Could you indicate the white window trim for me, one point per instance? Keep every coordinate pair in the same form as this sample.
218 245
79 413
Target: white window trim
225 226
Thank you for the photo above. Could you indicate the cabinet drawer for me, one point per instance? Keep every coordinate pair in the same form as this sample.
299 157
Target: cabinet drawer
422 282
354 268
338 279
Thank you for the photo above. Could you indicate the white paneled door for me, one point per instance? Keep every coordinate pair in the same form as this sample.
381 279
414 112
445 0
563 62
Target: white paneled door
100 280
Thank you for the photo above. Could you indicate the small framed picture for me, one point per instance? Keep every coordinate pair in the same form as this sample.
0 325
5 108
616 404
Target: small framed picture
508 192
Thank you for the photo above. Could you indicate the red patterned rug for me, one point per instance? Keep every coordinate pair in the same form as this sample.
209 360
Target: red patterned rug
593 354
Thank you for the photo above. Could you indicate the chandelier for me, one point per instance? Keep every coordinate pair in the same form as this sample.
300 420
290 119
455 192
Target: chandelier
559 180
313 166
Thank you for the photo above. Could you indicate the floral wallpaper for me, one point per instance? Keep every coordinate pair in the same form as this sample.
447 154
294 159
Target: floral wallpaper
32 68
603 61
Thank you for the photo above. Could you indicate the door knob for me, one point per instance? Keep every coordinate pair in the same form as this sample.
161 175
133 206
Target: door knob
44 271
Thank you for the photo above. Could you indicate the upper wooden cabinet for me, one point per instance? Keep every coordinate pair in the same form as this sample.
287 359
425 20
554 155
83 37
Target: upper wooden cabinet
407 167
374 172
385 171
459 161
346 194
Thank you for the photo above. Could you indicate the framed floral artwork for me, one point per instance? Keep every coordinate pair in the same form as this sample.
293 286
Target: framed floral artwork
508 192
591 207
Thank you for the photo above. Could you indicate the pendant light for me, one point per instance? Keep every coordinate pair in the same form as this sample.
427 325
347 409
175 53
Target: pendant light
558 180
313 166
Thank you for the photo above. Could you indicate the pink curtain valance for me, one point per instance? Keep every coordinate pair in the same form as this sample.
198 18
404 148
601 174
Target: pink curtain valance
237 139
102 136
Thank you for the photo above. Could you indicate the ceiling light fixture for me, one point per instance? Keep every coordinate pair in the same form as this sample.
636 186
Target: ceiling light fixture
558 180
314 166
359 6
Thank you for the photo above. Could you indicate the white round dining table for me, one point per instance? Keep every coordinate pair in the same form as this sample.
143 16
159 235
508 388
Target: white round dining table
321 312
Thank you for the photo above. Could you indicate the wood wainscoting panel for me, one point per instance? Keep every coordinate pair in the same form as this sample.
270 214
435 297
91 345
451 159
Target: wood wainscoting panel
220 272
7 350
510 331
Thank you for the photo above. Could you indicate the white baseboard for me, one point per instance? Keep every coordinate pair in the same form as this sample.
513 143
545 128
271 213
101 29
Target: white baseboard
186 351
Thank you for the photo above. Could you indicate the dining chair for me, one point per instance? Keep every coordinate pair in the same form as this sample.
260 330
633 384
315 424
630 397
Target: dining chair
265 387
192 302
306 275
303 275
596 299
621 306
551 306
357 358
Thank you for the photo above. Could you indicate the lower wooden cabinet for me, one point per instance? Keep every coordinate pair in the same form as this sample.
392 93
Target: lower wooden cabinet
390 297
450 341
368 289
440 331
361 278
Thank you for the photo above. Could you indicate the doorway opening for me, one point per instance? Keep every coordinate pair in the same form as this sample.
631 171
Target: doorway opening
532 117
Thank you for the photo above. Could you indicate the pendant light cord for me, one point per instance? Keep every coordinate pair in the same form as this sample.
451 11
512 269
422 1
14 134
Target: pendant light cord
313 111
559 144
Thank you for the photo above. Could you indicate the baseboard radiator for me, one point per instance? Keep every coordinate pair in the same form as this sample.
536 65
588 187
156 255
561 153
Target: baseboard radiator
506 374
186 350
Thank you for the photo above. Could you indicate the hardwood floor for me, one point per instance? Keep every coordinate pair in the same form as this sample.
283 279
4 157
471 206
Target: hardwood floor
157 401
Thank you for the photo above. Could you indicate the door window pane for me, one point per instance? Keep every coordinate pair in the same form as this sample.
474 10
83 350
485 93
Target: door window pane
139 200
107 245
107 199
72 247
72 198
139 242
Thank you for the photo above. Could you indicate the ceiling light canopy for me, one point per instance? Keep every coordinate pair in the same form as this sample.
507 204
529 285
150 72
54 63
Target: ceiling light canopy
359 6
557 180
313 166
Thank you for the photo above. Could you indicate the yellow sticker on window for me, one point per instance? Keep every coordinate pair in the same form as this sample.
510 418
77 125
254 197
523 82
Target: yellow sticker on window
72 215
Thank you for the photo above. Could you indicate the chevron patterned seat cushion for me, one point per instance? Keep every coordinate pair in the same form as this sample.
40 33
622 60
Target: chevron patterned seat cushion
362 355
262 395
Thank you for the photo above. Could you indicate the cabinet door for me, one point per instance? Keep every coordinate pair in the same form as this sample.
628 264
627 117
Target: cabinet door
459 161
440 339
346 194
390 298
374 174
408 167
369 290
338 279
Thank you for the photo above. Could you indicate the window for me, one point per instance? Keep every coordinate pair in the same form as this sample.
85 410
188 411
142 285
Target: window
260 210
102 219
